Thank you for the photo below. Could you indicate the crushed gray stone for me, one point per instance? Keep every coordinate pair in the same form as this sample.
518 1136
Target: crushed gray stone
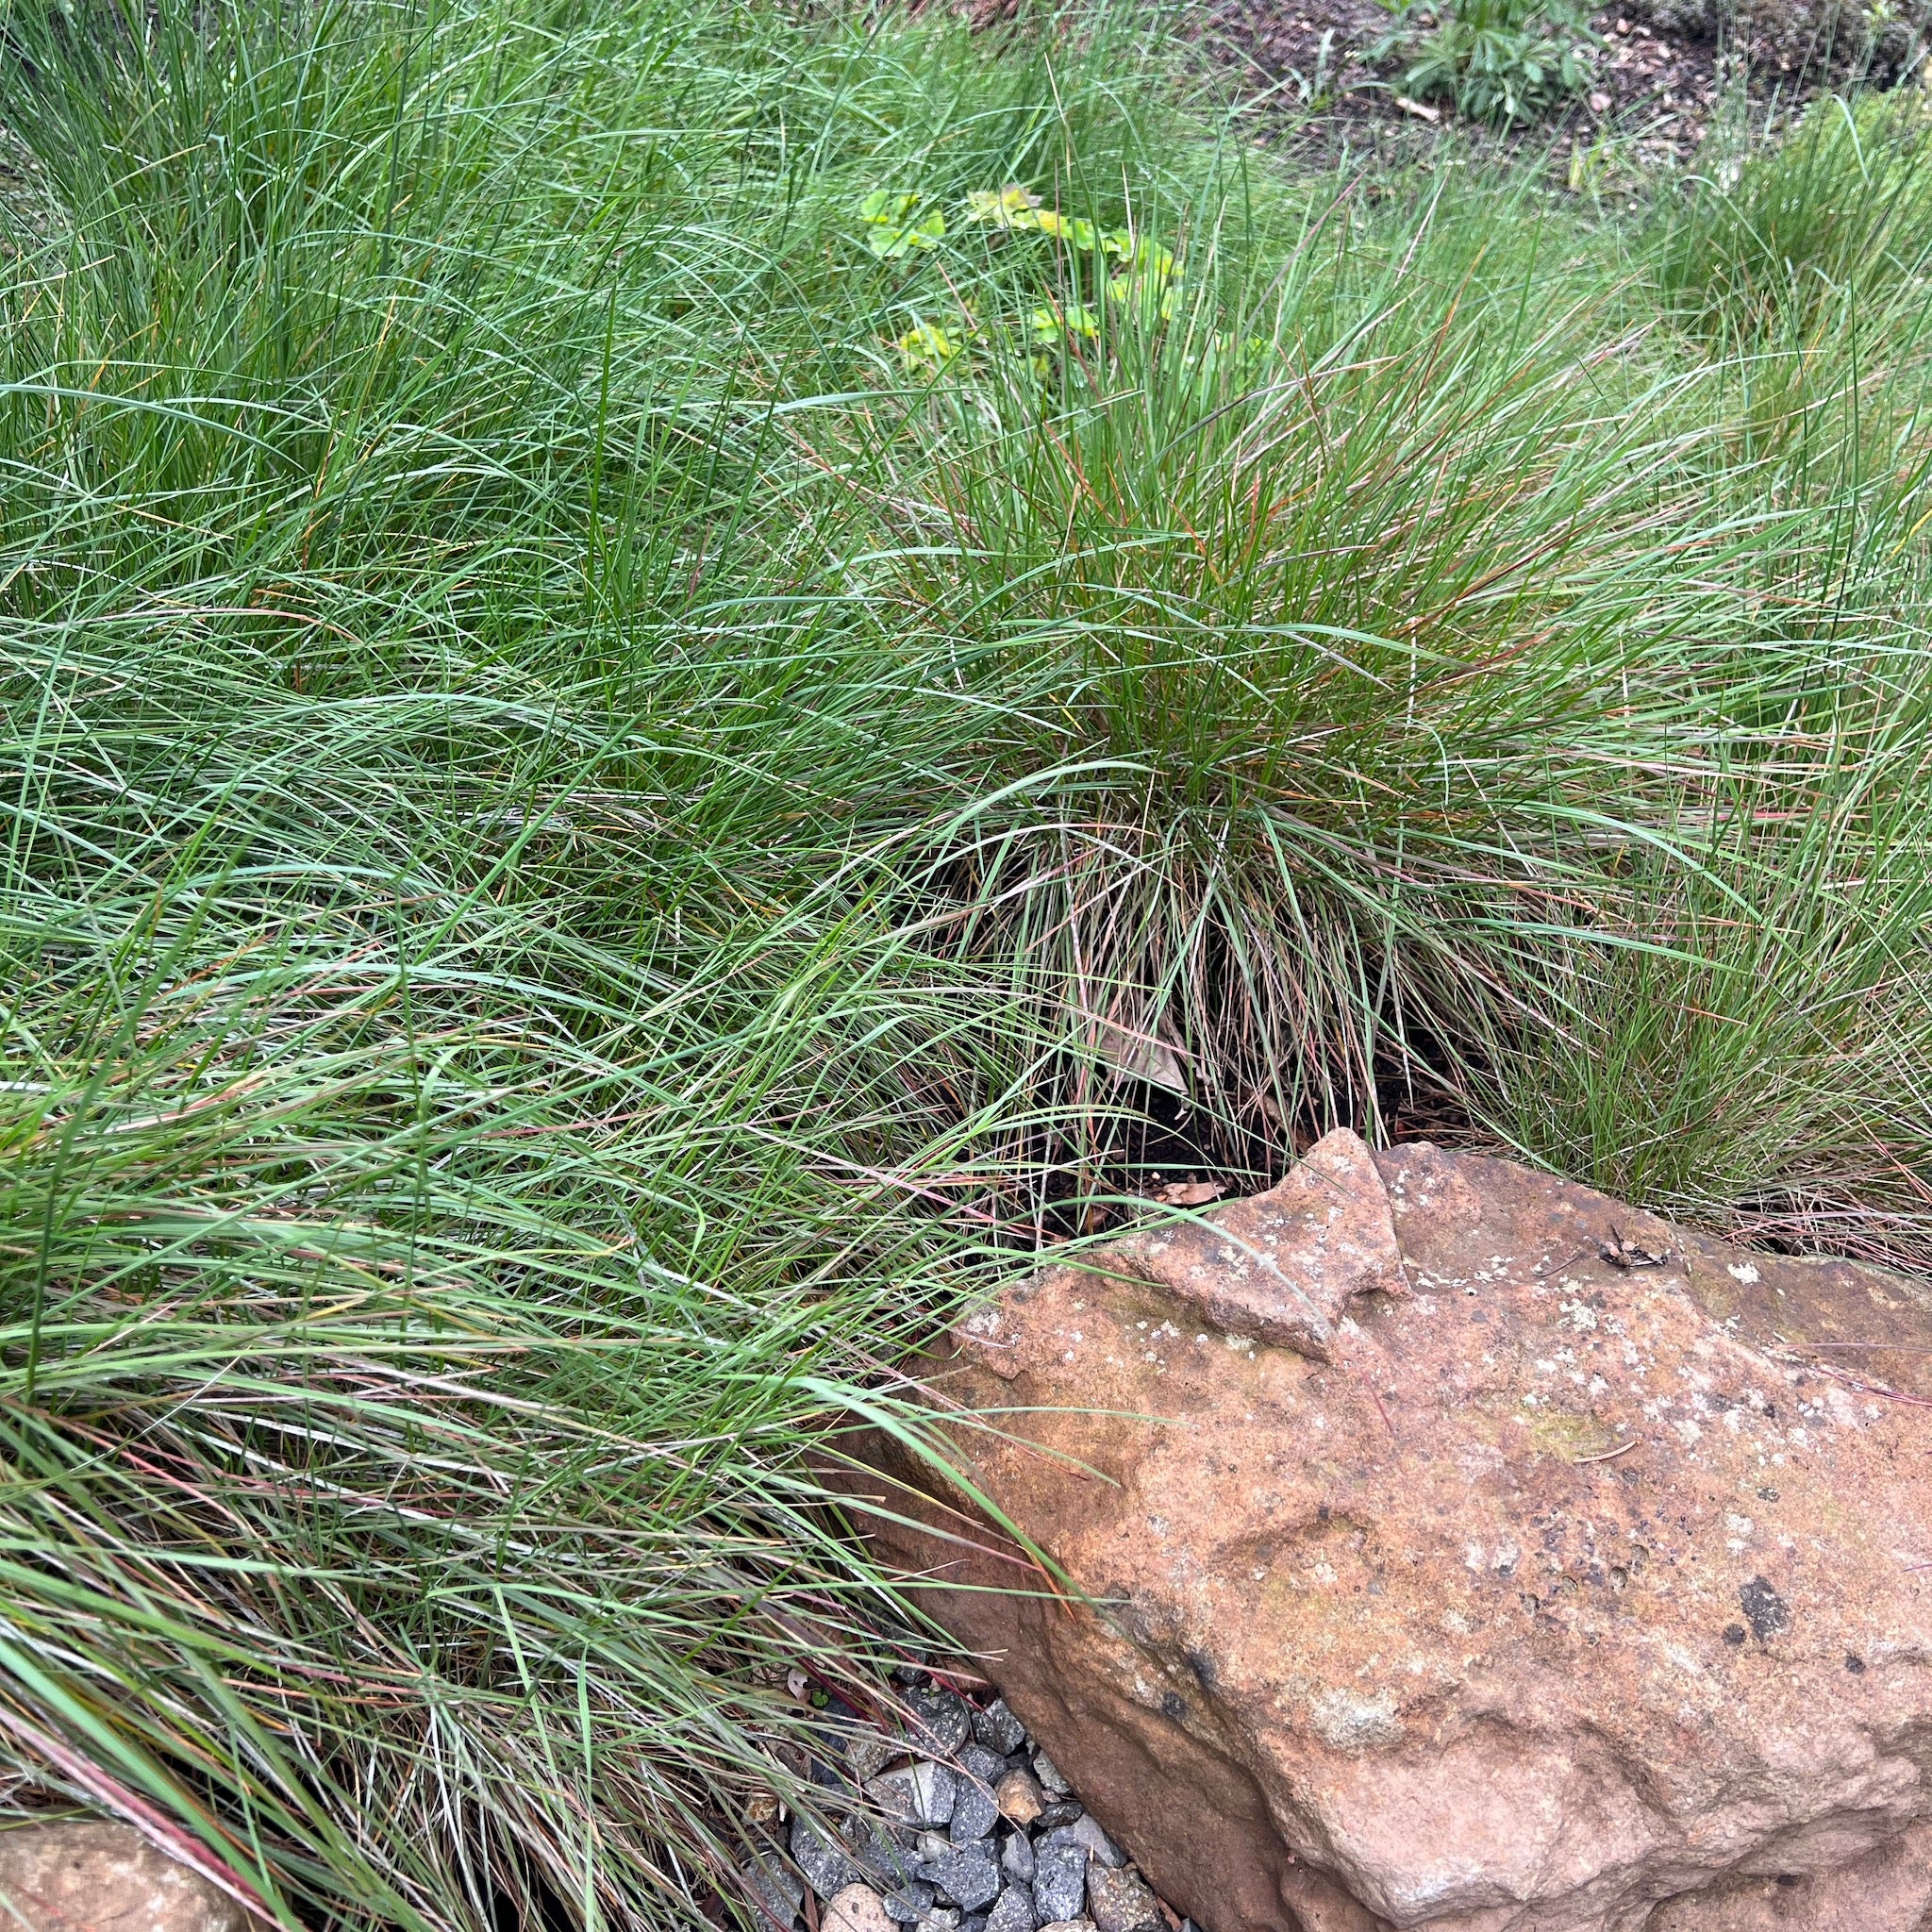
998 1729
1016 1858
868 1752
1013 1911
1085 1832
910 1902
919 1794
968 1878
774 1888
975 1760
877 1853
941 1719
981 1833
826 1867
1059 1880
1120 1901
1051 1780
974 1811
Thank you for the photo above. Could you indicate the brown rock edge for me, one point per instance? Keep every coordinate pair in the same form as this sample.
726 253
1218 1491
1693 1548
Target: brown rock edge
1439 1571
90 1875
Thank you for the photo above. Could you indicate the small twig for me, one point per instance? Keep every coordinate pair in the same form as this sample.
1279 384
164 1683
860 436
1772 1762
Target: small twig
1609 1455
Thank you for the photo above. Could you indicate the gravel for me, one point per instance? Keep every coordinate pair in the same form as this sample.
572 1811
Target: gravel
969 1879
974 1811
1013 1912
968 1826
856 1909
940 1719
988 1765
998 1729
774 1888
1019 1798
910 1902
825 1865
921 1793
1120 1901
1085 1832
1048 1773
1059 1880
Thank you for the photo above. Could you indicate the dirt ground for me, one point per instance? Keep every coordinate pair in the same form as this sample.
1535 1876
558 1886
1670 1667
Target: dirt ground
1663 77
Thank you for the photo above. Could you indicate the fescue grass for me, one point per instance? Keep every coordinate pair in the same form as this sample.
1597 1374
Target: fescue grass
602 777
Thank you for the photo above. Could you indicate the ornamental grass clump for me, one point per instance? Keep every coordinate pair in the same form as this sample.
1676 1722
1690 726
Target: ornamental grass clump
653 665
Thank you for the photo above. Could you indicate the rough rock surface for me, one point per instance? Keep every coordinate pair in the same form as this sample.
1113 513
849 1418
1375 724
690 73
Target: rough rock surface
95 1876
1452 1563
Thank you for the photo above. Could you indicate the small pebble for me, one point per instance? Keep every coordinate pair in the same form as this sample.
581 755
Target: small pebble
1120 1901
941 1918
920 1794
975 1760
869 1752
856 1909
1013 1912
933 1844
1069 1925
1018 1797
940 1719
997 1728
1051 1780
909 1903
774 1888
1016 1858
827 1868
1060 1812
974 1811
970 1879
1059 1880
877 1853
1085 1830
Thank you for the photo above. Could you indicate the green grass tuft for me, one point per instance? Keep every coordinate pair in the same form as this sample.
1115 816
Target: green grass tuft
606 763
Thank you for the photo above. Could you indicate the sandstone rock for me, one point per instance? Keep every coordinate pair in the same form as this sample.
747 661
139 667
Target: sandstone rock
856 1908
95 1876
1019 1798
1467 1579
